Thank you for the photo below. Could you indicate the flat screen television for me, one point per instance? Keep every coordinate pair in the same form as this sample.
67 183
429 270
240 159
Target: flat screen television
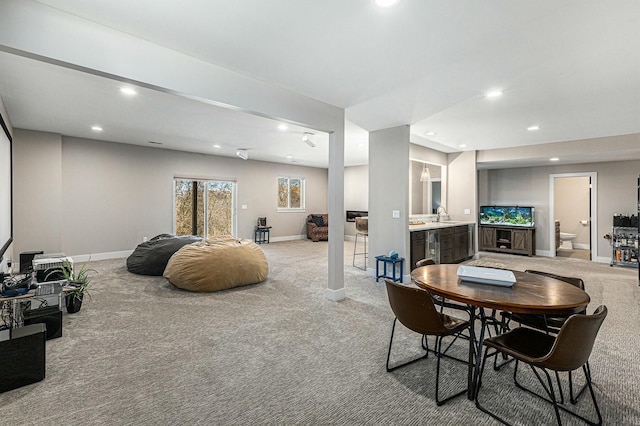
507 216
6 196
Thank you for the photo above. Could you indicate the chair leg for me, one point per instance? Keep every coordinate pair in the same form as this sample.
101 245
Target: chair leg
574 397
553 401
439 355
393 328
479 385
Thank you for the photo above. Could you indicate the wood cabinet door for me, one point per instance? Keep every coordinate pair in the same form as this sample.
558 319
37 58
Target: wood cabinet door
520 240
487 237
461 250
417 248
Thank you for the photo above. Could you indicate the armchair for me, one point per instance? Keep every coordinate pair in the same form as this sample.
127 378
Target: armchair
318 227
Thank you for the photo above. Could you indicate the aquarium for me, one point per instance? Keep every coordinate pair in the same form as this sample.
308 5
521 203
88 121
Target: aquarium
507 216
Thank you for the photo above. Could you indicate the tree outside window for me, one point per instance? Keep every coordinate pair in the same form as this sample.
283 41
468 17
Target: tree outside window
290 193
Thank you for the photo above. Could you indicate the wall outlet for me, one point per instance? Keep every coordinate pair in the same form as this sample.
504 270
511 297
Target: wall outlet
467 211
395 214
243 207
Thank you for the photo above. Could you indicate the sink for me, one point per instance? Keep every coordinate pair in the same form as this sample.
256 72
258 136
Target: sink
450 221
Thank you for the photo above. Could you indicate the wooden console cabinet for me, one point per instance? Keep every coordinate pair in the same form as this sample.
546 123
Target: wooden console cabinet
507 239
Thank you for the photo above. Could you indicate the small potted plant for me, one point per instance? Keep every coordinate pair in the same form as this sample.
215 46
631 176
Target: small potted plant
78 279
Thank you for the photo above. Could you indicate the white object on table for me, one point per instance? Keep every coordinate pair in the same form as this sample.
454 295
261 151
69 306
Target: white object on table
491 276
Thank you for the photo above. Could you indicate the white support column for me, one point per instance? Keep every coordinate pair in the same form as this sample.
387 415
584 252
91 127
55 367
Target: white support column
335 286
389 193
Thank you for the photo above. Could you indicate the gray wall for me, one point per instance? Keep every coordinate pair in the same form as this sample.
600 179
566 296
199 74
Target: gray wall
529 186
462 186
81 196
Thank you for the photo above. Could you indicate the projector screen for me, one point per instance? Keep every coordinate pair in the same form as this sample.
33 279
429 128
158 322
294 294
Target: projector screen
6 196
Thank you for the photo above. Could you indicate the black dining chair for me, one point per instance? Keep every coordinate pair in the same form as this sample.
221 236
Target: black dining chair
568 351
414 308
441 301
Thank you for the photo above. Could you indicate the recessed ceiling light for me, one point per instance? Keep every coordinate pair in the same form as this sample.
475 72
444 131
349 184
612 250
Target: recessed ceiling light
554 159
216 146
289 157
96 128
533 128
129 91
462 145
385 3
431 133
283 127
494 94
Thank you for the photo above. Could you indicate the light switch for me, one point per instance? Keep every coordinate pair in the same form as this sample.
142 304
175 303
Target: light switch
467 211
244 207
396 214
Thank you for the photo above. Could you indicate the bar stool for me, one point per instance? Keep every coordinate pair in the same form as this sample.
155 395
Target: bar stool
362 229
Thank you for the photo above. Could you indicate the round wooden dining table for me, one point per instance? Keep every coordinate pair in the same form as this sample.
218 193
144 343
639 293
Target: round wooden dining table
530 294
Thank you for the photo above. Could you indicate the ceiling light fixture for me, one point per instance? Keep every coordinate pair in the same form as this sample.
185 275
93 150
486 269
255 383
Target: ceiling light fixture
216 146
289 157
96 128
554 159
533 128
306 138
129 91
242 153
425 176
283 127
494 94
462 145
431 133
385 3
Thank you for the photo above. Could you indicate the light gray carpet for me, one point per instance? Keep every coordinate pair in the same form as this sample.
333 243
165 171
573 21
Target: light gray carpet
143 352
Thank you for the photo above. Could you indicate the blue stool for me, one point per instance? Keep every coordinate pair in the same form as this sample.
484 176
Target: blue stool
386 260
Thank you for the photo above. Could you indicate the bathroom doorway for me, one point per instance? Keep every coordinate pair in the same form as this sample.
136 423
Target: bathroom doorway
572 214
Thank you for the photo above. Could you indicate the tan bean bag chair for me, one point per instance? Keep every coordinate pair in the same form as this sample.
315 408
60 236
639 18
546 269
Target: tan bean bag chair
216 264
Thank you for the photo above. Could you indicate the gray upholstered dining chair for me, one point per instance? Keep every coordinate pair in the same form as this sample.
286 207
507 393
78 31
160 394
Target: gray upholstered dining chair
414 308
568 351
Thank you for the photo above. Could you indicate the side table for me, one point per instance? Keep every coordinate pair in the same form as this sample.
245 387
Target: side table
262 234
393 261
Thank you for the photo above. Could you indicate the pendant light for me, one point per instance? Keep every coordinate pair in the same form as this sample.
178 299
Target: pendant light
425 176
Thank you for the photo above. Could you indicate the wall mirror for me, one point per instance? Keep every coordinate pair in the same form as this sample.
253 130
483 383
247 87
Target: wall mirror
426 194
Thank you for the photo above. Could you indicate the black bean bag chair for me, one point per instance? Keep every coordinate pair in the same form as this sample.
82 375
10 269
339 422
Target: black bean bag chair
151 257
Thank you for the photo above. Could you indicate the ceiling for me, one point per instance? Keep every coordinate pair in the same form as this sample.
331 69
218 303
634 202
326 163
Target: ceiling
569 67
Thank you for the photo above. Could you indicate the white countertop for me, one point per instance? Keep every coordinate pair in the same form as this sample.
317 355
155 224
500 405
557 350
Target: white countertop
439 225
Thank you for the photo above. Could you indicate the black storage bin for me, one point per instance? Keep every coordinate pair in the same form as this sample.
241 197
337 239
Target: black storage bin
51 316
26 259
22 356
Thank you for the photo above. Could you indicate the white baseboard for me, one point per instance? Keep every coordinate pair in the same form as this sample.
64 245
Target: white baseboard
102 256
581 246
335 295
349 237
544 253
287 238
601 259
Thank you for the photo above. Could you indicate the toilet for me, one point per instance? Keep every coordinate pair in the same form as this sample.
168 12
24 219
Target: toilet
566 240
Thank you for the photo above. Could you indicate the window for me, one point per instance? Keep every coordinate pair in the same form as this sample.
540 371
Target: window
204 208
290 193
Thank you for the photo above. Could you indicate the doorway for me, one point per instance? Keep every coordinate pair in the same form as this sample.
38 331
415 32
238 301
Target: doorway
573 215
205 208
